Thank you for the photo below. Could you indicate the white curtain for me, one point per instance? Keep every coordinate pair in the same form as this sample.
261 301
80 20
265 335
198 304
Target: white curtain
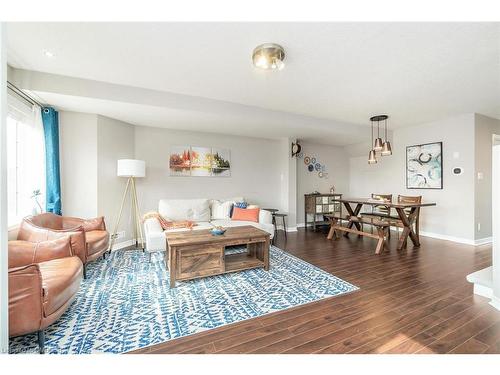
25 159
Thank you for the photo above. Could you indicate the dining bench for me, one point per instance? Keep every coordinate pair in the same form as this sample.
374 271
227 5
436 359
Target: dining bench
336 221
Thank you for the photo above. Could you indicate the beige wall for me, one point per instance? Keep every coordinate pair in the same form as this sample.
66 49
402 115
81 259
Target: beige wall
337 167
90 145
115 140
453 217
264 173
255 168
485 128
78 158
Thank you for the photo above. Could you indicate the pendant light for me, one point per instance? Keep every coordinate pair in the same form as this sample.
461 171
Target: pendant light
386 147
371 156
378 142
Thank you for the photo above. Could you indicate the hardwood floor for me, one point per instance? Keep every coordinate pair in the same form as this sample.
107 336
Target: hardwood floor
414 301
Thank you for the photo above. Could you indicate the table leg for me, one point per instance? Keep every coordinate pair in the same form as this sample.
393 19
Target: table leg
266 254
407 227
352 213
172 256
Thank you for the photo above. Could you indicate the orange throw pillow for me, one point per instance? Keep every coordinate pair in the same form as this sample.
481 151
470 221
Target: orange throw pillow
246 214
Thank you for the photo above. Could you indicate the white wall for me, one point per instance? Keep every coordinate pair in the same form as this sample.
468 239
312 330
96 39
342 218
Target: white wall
453 217
78 158
485 128
336 161
90 145
115 140
255 168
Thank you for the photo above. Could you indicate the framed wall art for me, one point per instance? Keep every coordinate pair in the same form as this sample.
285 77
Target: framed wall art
424 166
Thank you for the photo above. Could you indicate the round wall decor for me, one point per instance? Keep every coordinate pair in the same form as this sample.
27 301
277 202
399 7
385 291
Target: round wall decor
310 167
307 160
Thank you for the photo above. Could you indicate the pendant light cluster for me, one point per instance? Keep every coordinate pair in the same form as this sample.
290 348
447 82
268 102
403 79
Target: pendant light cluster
379 146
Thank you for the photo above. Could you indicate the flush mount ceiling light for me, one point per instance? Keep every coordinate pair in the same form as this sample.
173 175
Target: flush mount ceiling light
268 56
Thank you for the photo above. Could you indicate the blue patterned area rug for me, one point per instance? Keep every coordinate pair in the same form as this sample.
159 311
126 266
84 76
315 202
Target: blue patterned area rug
126 302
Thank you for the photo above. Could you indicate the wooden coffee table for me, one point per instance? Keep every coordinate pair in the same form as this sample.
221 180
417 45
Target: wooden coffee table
198 253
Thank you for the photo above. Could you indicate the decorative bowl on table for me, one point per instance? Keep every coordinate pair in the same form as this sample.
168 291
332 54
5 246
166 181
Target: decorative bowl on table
218 231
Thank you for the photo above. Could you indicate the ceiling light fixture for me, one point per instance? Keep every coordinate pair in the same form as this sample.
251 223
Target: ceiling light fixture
268 56
386 147
383 146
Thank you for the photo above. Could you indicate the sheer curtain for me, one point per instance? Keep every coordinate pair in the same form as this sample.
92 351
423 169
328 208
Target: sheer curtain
25 160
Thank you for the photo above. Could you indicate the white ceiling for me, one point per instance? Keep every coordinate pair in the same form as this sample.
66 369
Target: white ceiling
415 72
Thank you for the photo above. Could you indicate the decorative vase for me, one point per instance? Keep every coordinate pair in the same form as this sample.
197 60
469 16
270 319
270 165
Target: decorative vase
332 190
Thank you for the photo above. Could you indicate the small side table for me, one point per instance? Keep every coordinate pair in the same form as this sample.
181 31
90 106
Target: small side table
282 216
273 212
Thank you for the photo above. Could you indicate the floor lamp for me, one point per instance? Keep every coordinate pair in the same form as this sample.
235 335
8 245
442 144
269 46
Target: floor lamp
131 169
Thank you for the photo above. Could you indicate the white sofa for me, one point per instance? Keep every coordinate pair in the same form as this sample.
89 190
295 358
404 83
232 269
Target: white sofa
206 213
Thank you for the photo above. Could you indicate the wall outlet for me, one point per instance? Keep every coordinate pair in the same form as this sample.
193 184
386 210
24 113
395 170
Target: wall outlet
118 235
479 227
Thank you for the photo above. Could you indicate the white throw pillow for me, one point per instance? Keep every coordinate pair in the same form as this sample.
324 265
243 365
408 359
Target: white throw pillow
221 210
185 209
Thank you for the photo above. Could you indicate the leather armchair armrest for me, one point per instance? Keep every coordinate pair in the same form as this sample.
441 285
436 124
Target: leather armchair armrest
25 299
70 223
33 233
94 224
24 253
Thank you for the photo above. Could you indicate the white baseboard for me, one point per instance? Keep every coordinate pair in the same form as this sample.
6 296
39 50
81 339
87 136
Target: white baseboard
495 302
288 229
466 241
124 244
483 291
483 241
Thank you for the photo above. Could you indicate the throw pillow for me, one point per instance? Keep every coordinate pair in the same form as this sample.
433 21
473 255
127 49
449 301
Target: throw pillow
244 214
221 210
241 204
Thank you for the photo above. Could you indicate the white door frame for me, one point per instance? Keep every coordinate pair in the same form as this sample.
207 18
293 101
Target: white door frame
495 201
4 277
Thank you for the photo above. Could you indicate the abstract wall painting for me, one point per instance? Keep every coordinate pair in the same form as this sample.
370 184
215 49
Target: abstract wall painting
424 166
200 161
221 164
180 161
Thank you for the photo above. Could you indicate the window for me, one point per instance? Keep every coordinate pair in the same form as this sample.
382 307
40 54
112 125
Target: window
25 160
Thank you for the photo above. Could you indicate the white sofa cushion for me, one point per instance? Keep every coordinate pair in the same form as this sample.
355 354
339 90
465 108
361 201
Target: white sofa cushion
185 209
221 210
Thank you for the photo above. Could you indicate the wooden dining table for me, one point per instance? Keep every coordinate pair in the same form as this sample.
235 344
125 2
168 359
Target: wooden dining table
407 213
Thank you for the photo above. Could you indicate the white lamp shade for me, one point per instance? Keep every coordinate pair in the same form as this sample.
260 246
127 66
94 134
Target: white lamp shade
131 168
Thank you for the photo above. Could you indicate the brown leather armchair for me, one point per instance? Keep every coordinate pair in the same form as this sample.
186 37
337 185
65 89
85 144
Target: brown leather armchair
44 278
90 239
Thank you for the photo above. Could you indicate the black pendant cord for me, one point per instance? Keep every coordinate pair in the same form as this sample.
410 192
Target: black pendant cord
372 135
385 130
